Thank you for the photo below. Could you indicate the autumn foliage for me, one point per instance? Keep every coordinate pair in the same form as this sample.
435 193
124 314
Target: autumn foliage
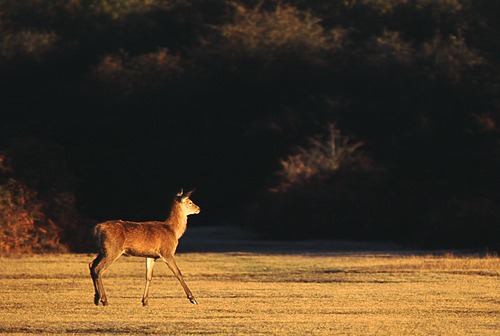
25 227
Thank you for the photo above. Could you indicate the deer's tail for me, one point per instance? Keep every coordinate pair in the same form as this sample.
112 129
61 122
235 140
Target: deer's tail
98 235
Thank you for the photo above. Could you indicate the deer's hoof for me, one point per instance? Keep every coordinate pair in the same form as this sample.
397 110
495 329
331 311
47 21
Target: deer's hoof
193 301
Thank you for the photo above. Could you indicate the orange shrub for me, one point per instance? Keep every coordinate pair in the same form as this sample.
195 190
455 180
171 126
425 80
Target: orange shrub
24 228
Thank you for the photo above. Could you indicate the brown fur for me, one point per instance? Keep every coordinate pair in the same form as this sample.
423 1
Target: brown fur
151 240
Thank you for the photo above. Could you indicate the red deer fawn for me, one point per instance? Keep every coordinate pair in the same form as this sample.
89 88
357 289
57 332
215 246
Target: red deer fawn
152 240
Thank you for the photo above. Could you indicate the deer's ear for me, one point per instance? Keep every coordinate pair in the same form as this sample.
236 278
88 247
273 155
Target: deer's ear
181 191
188 194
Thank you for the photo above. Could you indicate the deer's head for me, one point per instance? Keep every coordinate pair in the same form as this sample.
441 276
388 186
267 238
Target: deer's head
186 204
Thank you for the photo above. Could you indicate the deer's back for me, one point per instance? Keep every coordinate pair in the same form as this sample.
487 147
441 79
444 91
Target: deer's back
143 239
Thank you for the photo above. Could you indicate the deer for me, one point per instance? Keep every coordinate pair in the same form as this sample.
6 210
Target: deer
153 240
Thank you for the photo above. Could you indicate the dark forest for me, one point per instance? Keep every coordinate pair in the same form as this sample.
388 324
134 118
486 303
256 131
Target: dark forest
372 120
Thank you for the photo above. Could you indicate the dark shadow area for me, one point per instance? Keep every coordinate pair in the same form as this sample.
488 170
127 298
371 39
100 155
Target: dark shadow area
219 239
296 120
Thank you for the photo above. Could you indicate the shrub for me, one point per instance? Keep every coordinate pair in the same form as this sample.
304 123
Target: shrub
328 188
38 205
117 9
449 58
26 44
270 36
24 227
125 74
323 157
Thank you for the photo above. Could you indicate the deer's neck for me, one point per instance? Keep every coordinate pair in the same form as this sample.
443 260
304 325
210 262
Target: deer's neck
177 221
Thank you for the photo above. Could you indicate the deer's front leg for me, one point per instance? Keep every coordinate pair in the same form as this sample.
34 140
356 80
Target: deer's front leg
150 262
170 261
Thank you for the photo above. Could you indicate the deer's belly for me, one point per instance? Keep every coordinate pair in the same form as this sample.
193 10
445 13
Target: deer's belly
141 253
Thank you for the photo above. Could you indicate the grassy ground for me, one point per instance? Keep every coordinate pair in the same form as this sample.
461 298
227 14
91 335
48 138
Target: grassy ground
257 294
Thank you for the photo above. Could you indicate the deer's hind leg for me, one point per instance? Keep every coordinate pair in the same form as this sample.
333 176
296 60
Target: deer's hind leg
94 275
97 267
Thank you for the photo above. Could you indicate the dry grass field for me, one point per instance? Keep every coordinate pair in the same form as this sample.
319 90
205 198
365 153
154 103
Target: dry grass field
257 294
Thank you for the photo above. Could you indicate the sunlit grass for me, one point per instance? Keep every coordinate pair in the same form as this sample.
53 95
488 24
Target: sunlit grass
243 294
